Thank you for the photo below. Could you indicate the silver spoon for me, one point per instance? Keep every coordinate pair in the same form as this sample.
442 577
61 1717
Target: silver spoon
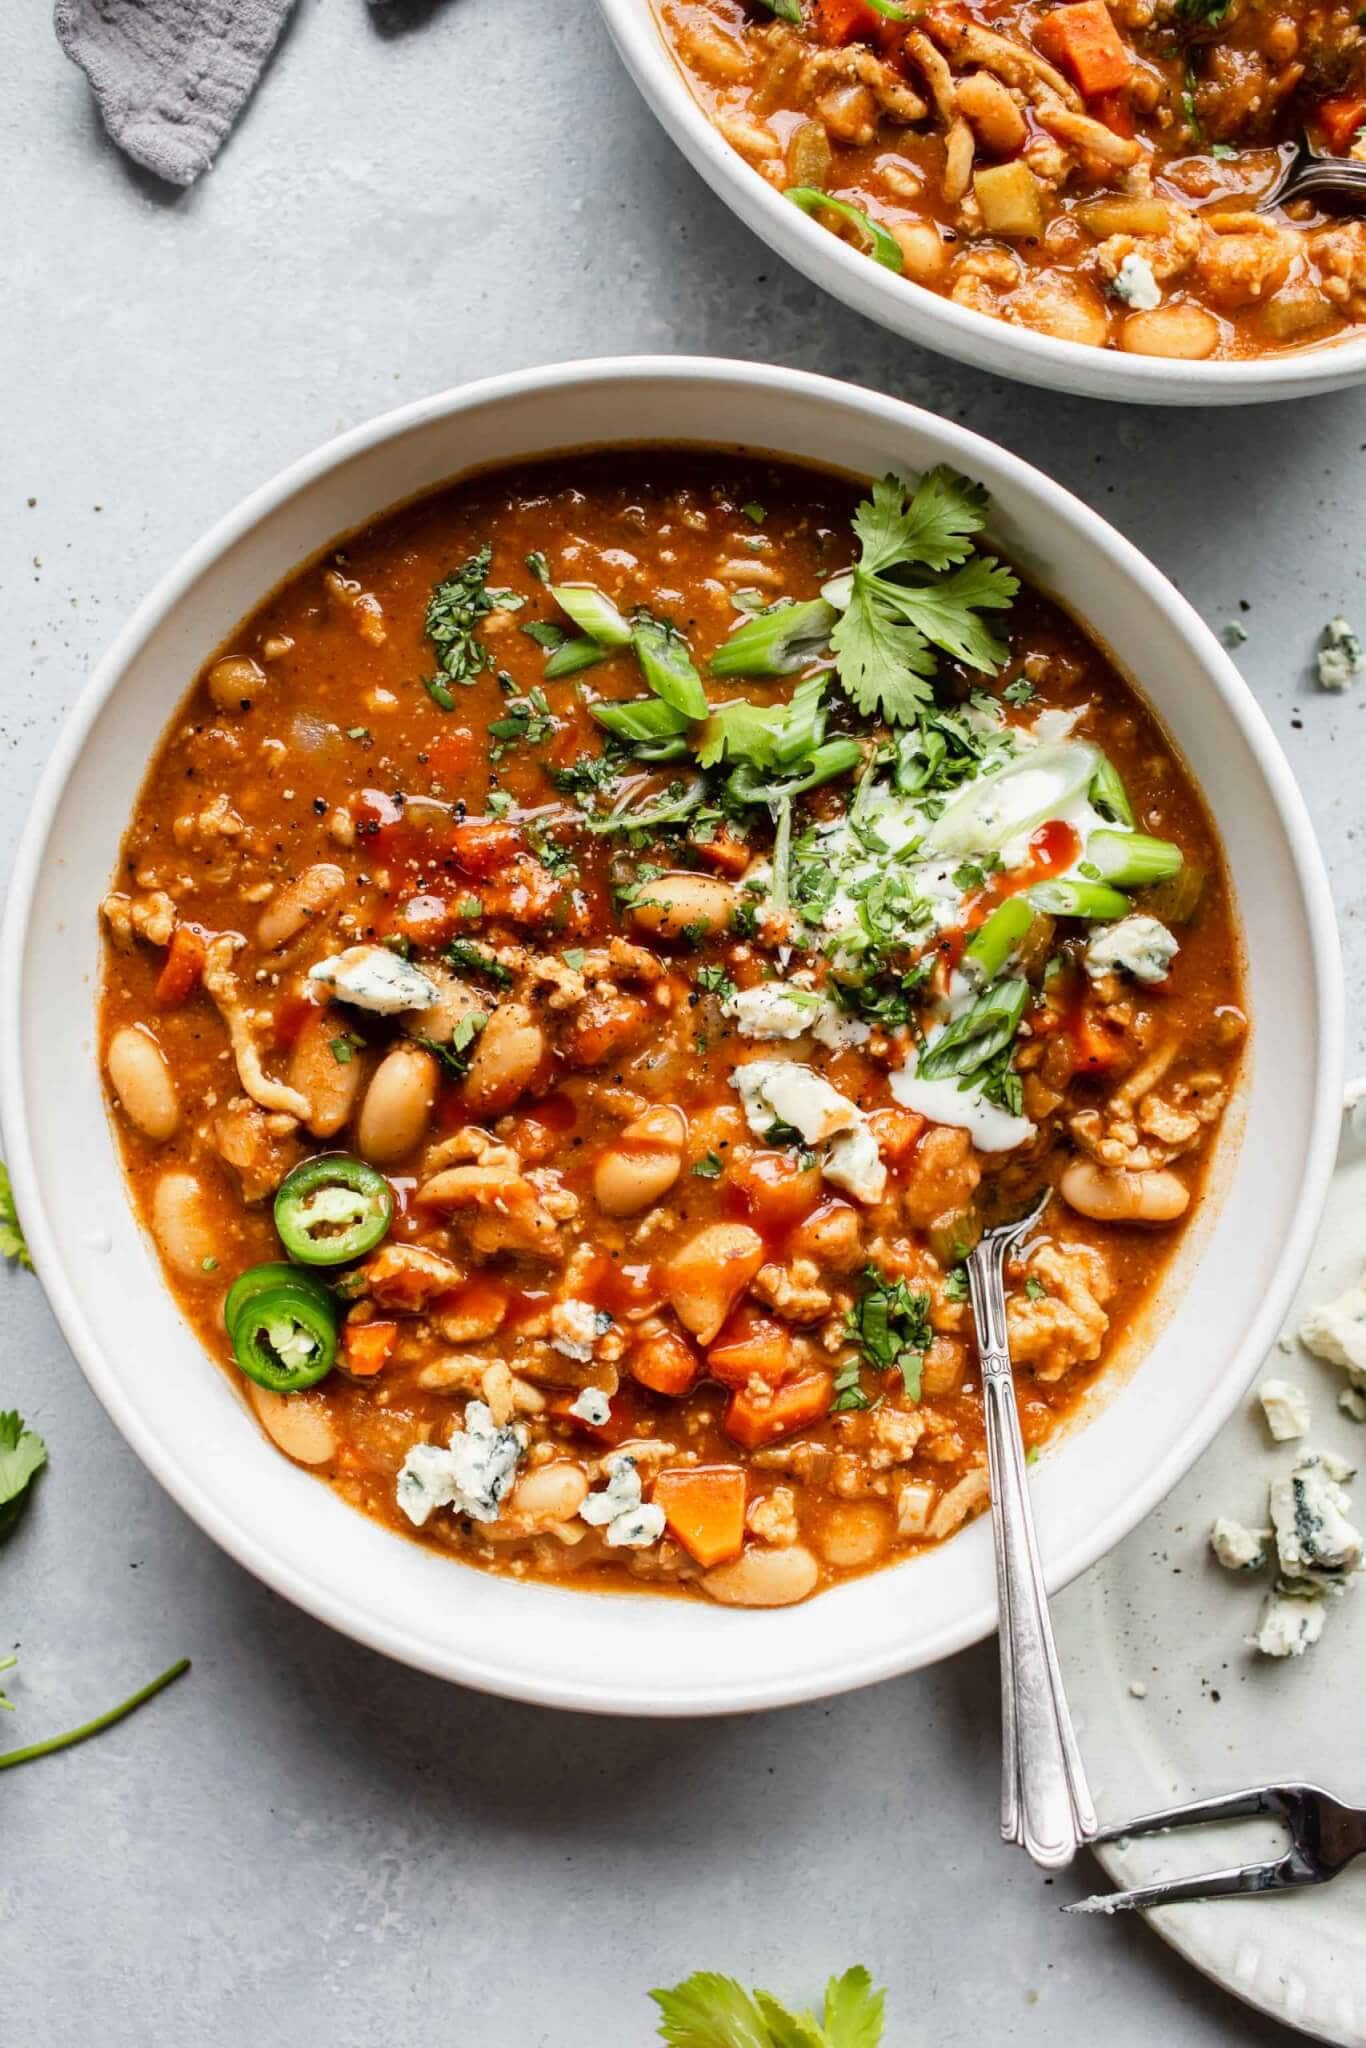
1045 1801
1313 174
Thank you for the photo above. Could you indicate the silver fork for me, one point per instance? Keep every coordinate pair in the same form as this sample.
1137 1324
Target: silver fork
1325 1836
1045 1803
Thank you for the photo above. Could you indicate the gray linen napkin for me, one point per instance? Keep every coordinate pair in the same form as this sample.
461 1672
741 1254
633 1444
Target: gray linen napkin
171 76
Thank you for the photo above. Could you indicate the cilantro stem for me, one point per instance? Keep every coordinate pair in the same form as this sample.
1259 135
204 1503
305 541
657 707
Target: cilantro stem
101 1721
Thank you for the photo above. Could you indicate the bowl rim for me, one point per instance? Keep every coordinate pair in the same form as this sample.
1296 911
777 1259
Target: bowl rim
470 1666
927 317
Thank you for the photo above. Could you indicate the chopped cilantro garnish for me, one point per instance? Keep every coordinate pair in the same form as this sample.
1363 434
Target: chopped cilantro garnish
755 512
1034 1288
708 1167
891 1326
1020 692
453 612
714 981
344 1048
474 960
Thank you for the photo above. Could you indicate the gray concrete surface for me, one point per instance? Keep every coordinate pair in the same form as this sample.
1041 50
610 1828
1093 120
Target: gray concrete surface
303 1844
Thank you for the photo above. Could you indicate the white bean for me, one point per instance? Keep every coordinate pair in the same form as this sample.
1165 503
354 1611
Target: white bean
236 682
142 1081
509 1054
540 1501
683 902
328 1085
1185 331
1152 1196
854 1535
181 1225
298 1424
642 1163
398 1104
763 1578
706 1277
300 903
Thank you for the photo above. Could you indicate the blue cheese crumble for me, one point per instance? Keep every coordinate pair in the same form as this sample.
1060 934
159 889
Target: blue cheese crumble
1288 1624
576 1328
374 978
627 1521
1139 944
474 1474
786 1092
1238 1548
1135 284
1336 1331
592 1406
1315 1542
1286 1408
1340 659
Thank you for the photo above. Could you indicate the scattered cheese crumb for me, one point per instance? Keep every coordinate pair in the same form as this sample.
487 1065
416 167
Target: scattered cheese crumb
1286 1409
1340 659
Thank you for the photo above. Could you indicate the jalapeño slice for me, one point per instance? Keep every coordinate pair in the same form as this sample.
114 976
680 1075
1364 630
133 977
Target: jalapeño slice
332 1209
283 1325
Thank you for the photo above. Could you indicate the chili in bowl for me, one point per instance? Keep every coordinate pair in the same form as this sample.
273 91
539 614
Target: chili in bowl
589 952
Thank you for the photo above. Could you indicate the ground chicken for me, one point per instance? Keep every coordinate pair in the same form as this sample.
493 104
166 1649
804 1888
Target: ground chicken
1064 1326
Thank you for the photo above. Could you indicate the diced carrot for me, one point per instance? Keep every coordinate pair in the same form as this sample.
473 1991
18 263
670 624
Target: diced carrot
366 1348
1340 118
183 965
795 1406
843 21
425 920
1116 110
725 853
484 845
897 1132
750 1347
1098 1045
664 1364
481 1299
454 754
775 1189
1083 40
704 1507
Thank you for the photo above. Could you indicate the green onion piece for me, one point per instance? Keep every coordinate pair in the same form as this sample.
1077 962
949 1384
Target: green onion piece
889 10
837 757
573 656
1110 797
994 942
1093 900
802 731
643 720
776 643
667 666
669 812
782 851
1132 860
975 1038
882 247
592 613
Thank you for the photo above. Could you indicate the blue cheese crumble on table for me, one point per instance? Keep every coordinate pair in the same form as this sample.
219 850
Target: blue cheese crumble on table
374 978
1286 1408
474 1474
1288 1624
1340 659
1336 1331
1238 1548
1141 945
627 1521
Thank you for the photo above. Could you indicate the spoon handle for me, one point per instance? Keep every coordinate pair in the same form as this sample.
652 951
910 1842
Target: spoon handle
1045 1801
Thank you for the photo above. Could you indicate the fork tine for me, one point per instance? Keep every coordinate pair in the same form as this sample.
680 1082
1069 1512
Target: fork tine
1246 1880
1228 1806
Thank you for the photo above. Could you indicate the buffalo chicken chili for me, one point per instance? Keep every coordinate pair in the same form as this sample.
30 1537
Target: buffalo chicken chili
591 956
1089 169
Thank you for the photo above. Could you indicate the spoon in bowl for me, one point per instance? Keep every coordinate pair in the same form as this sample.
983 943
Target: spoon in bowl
1045 1801
1313 174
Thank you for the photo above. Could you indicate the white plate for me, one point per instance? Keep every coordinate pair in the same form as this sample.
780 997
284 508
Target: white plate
928 317
615 1654
1160 1612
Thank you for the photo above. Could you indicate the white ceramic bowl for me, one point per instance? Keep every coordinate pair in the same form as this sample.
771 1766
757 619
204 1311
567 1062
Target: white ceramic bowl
641 1654
924 316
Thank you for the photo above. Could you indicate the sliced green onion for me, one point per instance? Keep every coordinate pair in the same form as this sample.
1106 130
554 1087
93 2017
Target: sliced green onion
668 812
975 1038
782 850
1131 859
994 942
1110 797
748 786
592 613
667 666
1066 898
776 643
573 656
889 10
882 247
803 729
644 720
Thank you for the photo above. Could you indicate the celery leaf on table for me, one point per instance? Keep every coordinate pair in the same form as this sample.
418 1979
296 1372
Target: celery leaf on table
711 2011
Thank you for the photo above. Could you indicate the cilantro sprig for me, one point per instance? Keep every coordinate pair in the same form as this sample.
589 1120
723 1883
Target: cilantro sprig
23 1455
454 610
12 1241
917 587
708 2010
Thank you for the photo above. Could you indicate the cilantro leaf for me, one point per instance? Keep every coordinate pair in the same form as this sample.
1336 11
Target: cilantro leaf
853 2010
895 615
12 1244
22 1454
454 610
710 2011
